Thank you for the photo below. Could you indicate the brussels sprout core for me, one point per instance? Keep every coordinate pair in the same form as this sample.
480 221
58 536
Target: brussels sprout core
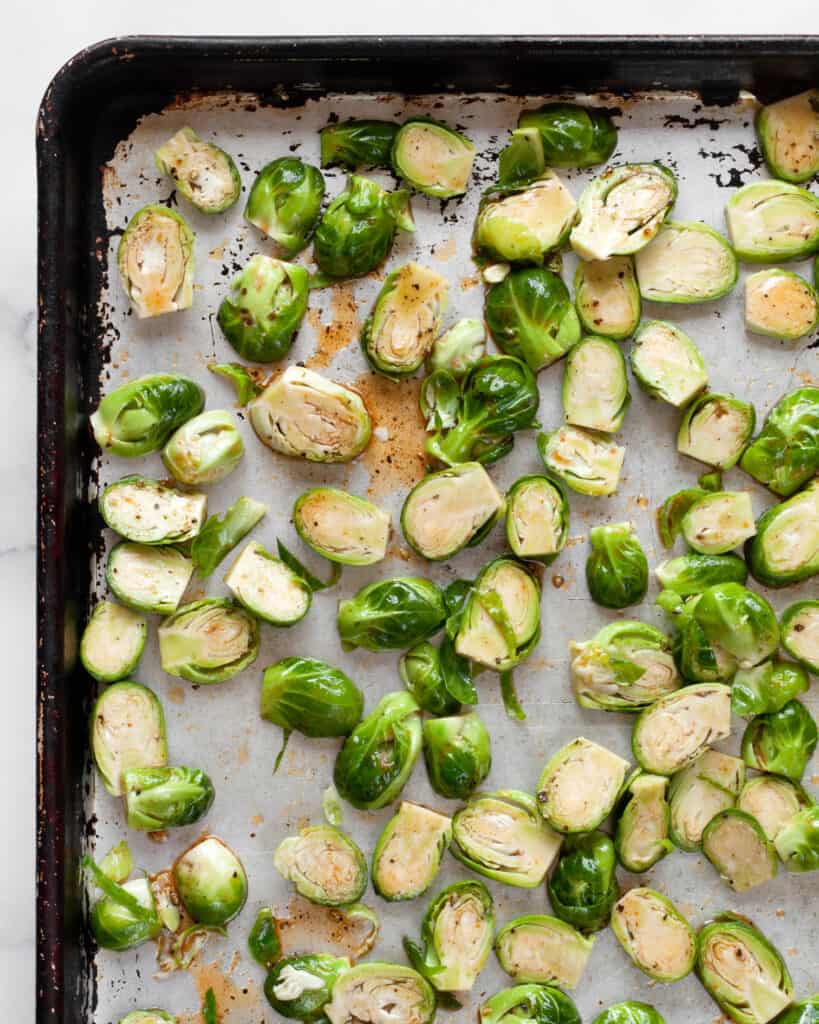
800 633
127 731
737 846
580 785
267 587
607 297
667 364
780 304
686 263
373 993
112 642
155 260
210 881
204 174
771 221
409 851
342 527
544 949
595 386
325 865
208 641
674 731
433 158
701 791
788 132
537 519
719 522
523 223
654 934
205 449
715 429
588 463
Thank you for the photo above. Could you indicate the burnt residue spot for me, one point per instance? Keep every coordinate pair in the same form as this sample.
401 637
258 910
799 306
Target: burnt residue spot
733 176
679 121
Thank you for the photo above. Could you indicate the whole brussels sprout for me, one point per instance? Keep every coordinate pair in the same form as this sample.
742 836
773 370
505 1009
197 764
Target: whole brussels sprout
806 1011
787 131
370 992
672 733
112 642
432 158
539 948
139 416
617 568
202 172
766 687
537 519
420 671
781 742
715 429
285 201
539 1004
667 364
699 792
686 263
583 887
408 854
210 881
220 534
797 842
774 801
299 987
693 573
741 622
631 1012
780 304
641 839
458 349
127 728
457 753
587 462
785 548
391 614
737 846
324 864
160 798
125 916
208 641
654 934
785 453
595 386
580 785
357 143
772 221
572 136
800 633
155 261
204 450
607 297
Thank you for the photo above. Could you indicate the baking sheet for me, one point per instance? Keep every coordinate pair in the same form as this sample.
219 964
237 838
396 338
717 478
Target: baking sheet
712 152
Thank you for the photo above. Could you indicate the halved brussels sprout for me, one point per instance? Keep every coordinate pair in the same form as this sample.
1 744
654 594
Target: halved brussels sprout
420 671
737 846
153 1016
797 842
204 450
267 587
580 785
771 221
432 158
773 801
804 1012
450 510
781 742
378 756
626 666
160 798
715 429
457 753
208 641
202 172
719 522
501 618
780 304
617 568
127 731
607 297
800 633
307 416
537 1004
583 887
788 133
654 934
785 453
741 622
524 222
693 573
139 416
572 136
459 349
210 881
374 992
357 143
670 513
391 614
595 387
701 791
686 263
537 519
408 854
622 209
342 527
667 364
148 512
631 1012
125 916
155 261
766 687
539 948
324 864
741 971
148 579
299 987
112 642
588 463
399 333
673 732
785 549
642 836
220 534
285 201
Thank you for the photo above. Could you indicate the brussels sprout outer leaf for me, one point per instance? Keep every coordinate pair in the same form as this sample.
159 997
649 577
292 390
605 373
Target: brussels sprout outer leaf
220 534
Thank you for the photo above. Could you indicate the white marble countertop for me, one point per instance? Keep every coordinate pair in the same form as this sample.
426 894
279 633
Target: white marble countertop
41 37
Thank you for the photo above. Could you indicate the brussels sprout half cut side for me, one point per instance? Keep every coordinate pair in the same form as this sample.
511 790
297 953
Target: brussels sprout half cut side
153 1016
299 987
210 881
701 791
148 512
737 846
371 992
580 785
797 842
799 627
539 948
607 297
583 887
654 934
155 261
715 429
595 386
672 733
127 731
537 519
139 416
772 221
617 568
204 450
432 158
773 801
408 854
571 135
458 754
540 1004
324 864
717 523
267 587
357 143
285 201
686 263
693 573
642 835
304 415
202 172
166 797
586 462
112 642
781 742
780 304
785 549
208 641
785 453
391 614
667 364
788 133
342 527
148 579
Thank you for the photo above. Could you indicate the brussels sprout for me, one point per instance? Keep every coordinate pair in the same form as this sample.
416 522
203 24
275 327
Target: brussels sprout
699 658
457 753
780 304
356 232
208 641
305 415
785 453
766 687
112 642
788 132
773 801
699 792
642 836
127 731
342 527
631 1012
693 573
139 416
357 143
152 1016
376 991
804 1012
530 316
267 587
654 934
797 842
205 449
210 881
299 987
263 940
770 221
607 297
667 364
325 865
800 633
715 429
439 399
741 622
741 971
523 223
686 263
583 887
737 846
501 618
580 785
572 136
160 798
617 568
781 742
221 534
285 201
785 549
148 512
450 510
118 863
459 349
622 210
719 522
420 671
595 387
498 397
670 514
432 158
391 614
537 518
155 261
586 462
202 172
409 851
537 1004
378 756
673 732
125 916
522 159
539 948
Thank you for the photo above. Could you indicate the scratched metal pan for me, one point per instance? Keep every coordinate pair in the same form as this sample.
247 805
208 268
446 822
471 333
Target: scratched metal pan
687 102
